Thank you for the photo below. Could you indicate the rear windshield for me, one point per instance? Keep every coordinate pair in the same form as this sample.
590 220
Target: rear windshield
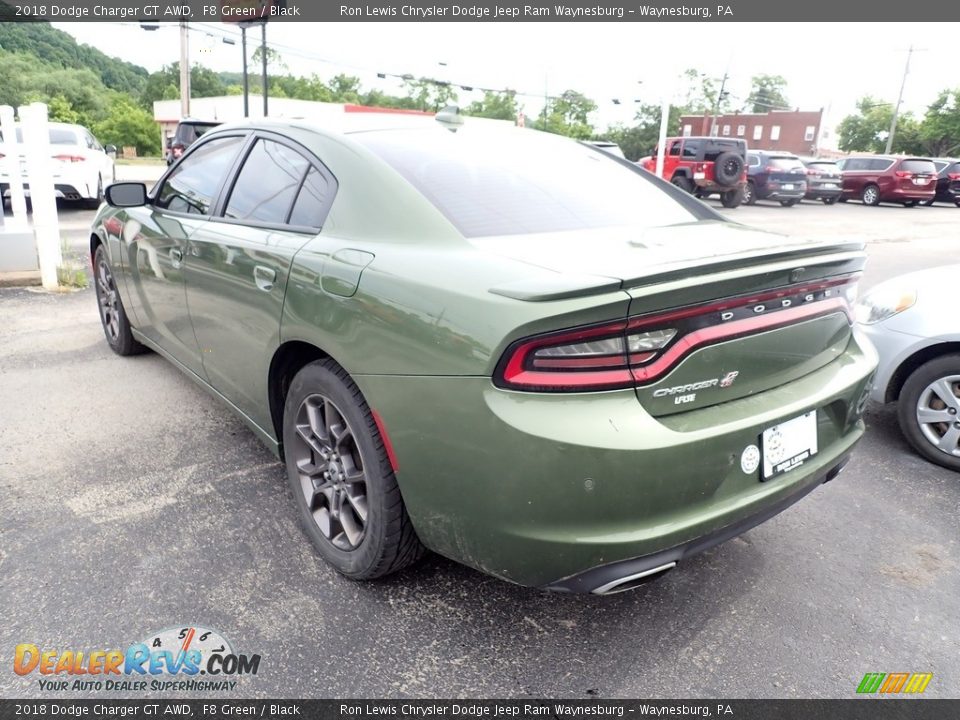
824 166
523 182
785 163
58 136
918 166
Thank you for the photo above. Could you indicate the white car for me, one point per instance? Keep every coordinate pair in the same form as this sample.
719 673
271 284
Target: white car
81 166
913 323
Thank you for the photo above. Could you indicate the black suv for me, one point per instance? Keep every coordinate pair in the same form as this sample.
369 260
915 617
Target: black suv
773 175
948 181
188 132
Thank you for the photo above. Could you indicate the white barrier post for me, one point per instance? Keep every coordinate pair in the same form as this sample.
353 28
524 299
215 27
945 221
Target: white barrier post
664 121
46 226
10 166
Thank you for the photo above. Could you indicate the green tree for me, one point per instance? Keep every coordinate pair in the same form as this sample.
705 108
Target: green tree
274 59
128 124
940 129
568 115
428 94
702 94
496 105
640 139
767 92
868 128
344 88
165 84
59 109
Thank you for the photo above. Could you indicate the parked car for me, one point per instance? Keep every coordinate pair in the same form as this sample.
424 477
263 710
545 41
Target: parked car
81 167
948 182
774 175
501 345
704 165
911 320
887 178
824 180
607 146
187 133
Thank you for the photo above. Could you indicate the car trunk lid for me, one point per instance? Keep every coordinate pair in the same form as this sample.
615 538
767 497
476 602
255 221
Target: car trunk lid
743 311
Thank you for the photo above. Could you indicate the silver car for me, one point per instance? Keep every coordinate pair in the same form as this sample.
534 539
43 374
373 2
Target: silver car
913 322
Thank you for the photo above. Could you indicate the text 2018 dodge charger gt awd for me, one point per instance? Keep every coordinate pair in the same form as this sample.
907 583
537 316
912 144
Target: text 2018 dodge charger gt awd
504 346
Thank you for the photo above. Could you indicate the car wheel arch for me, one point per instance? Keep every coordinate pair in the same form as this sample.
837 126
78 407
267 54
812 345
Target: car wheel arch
95 242
913 362
288 359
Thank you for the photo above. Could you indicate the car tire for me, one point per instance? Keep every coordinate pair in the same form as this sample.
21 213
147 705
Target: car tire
957 203
749 193
870 195
910 203
683 182
731 198
113 318
728 169
789 203
829 200
928 203
341 476
920 393
94 203
842 199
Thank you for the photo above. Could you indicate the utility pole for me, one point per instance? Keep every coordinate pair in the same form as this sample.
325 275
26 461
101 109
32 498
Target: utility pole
896 108
263 53
184 69
716 105
246 77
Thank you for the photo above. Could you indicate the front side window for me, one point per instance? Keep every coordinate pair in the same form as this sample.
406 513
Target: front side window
194 183
675 148
267 183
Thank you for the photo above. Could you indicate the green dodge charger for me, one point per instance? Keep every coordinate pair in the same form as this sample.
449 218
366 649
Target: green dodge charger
505 346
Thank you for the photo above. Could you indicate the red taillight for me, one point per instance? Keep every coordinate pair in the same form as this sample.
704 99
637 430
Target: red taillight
641 349
951 176
813 173
903 174
70 158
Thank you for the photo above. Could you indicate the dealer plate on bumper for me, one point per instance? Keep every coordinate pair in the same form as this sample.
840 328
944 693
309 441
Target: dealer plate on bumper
789 444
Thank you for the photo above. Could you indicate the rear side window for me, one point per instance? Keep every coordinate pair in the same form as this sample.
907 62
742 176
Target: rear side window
785 163
311 203
716 147
518 182
879 164
753 160
267 184
191 187
919 166
691 148
857 164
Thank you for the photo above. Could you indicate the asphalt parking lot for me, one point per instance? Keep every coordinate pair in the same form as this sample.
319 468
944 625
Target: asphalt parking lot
131 501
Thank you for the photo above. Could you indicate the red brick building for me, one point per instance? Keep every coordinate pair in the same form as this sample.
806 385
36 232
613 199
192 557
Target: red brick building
795 131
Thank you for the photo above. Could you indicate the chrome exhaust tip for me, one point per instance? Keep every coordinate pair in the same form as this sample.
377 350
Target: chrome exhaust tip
629 582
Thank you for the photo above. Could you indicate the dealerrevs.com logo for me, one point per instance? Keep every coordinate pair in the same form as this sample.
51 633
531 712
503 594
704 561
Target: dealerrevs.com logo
191 658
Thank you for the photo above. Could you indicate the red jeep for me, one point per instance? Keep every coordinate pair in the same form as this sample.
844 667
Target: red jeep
704 165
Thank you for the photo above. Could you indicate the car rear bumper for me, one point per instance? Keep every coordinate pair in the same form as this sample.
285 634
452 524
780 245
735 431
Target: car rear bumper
61 190
907 194
820 192
541 489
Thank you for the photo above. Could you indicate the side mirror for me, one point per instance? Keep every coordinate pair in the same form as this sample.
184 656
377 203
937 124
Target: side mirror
111 150
126 195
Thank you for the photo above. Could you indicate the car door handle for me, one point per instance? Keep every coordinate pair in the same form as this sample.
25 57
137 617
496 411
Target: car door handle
264 277
176 257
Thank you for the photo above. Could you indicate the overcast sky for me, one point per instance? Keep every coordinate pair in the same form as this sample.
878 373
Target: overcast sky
826 65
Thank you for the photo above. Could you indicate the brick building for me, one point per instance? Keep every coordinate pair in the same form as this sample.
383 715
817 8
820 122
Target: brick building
797 131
